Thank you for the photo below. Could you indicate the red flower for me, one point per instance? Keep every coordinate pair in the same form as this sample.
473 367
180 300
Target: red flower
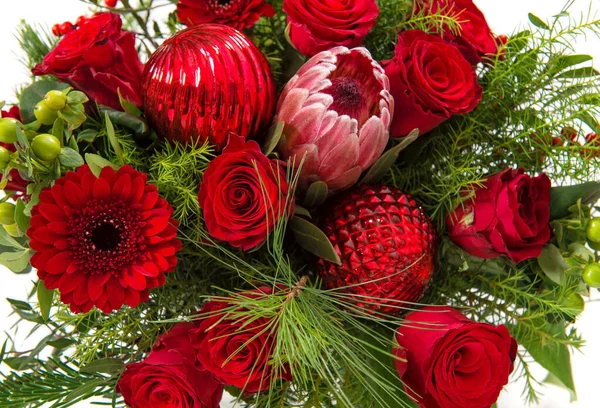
509 216
98 59
15 183
430 81
103 241
171 376
317 26
448 361
243 195
238 14
237 351
476 39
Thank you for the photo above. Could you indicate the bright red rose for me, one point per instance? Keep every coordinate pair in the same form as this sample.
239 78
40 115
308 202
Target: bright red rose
171 376
15 183
508 216
430 81
238 14
476 39
243 195
236 351
99 59
318 25
448 361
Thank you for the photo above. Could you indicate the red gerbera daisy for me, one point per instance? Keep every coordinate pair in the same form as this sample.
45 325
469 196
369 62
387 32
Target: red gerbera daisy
103 241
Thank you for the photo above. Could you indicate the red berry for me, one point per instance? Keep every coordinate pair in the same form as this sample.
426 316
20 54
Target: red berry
66 27
502 39
80 20
569 133
591 138
386 245
110 3
557 141
56 30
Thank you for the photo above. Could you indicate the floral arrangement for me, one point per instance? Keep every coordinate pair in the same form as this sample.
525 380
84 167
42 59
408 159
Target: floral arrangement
352 203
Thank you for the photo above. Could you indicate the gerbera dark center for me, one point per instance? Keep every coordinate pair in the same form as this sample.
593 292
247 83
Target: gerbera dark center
106 237
347 97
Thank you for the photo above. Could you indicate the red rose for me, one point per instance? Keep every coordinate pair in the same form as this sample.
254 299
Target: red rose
171 376
476 39
243 195
15 183
316 26
508 216
448 361
430 81
98 59
237 351
238 14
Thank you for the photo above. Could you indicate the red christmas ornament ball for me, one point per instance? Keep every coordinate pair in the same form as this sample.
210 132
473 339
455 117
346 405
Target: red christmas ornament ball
206 82
386 244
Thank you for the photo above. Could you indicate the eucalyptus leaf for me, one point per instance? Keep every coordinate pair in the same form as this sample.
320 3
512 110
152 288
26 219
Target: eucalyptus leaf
112 137
562 198
137 125
58 130
45 297
313 239
387 159
72 116
17 262
20 217
33 94
273 138
553 264
316 194
88 136
105 366
8 241
70 158
76 97
538 22
128 106
97 163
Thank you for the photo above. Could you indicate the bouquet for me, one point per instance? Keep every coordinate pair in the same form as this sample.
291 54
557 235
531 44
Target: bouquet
302 203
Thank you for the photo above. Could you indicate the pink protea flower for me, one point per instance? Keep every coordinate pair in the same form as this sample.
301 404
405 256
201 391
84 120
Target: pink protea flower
337 111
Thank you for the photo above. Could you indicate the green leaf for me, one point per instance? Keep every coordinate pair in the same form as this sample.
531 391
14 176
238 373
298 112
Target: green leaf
552 379
128 106
97 163
3 350
316 194
105 366
584 72
562 198
553 264
8 241
19 304
565 61
387 160
19 363
58 130
18 262
70 158
88 136
112 137
273 138
83 390
21 218
137 125
61 343
299 210
45 297
313 239
538 22
76 98
33 94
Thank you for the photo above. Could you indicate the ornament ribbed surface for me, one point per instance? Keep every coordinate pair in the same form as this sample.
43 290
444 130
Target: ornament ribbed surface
386 244
205 82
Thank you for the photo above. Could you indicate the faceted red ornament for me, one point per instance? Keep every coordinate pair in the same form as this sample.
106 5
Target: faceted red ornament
205 82
386 244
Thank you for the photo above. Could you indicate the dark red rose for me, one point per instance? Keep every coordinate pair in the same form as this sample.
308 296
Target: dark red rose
99 59
16 183
508 216
171 376
238 14
448 361
237 351
430 81
243 195
476 39
316 26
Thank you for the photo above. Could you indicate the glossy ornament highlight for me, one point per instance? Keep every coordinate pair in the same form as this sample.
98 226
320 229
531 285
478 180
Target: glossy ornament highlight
205 82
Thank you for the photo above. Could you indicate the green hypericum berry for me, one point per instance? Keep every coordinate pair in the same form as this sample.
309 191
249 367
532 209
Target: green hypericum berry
12 230
591 275
575 303
4 156
55 100
594 245
593 230
8 130
44 114
46 147
7 213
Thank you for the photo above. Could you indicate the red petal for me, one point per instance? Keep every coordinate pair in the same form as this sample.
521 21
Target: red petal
148 200
156 225
59 227
101 189
59 196
68 283
160 262
115 292
96 285
122 187
45 235
87 185
59 263
137 190
132 297
80 295
75 195
39 259
108 174
62 244
52 213
134 278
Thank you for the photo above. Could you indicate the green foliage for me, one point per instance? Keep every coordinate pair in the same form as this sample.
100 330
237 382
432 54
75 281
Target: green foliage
36 42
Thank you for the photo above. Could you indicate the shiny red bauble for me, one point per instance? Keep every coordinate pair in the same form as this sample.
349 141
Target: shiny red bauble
387 247
206 82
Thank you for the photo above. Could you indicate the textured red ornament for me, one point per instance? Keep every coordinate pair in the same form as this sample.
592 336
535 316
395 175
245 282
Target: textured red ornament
205 82
386 244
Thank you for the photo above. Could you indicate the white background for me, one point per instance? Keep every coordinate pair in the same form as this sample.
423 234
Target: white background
504 16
